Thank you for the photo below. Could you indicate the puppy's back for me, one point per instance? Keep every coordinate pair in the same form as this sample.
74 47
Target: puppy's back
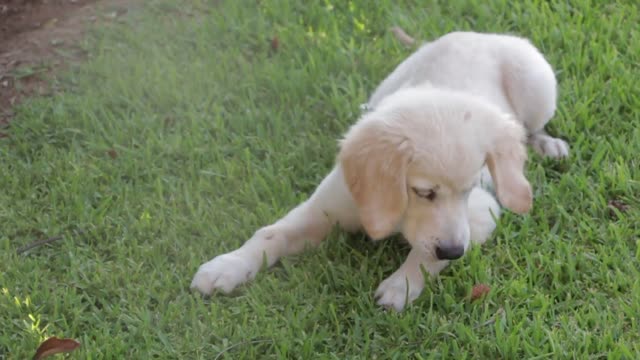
467 61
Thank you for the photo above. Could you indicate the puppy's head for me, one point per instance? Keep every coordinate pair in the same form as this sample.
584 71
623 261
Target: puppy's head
411 165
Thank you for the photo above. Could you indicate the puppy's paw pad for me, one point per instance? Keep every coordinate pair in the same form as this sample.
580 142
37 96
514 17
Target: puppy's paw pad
394 294
223 273
546 145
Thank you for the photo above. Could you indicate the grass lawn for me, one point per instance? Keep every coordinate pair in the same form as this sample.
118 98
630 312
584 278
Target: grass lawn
186 130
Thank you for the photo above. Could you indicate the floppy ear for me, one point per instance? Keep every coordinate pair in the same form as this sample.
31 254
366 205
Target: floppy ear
506 162
374 161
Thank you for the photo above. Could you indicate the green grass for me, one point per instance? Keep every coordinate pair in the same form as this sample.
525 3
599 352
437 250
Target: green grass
184 132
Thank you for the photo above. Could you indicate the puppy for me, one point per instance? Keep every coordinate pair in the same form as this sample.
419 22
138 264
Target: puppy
449 121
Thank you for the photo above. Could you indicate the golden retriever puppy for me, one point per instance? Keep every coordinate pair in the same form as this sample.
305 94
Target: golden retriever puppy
449 120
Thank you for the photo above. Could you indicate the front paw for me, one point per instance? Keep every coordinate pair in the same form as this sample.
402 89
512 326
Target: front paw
224 273
398 290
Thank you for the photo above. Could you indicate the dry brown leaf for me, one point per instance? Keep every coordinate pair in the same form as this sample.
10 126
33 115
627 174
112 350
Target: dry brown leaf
169 121
479 290
617 204
53 345
112 153
50 23
275 43
402 36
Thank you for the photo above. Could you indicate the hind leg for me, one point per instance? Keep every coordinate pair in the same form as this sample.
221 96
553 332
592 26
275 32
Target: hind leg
535 121
546 145
531 88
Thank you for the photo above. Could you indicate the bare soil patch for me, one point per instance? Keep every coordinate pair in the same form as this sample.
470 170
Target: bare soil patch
38 37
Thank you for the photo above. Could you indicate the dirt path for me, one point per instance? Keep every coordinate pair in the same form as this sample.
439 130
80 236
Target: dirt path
38 37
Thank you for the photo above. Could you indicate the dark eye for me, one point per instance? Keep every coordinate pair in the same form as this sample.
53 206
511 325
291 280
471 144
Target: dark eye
428 194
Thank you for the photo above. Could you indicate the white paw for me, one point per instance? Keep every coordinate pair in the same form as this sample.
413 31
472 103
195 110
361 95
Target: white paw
224 273
394 294
546 145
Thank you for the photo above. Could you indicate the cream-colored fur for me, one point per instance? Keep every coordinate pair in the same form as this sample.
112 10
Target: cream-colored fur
415 163
507 71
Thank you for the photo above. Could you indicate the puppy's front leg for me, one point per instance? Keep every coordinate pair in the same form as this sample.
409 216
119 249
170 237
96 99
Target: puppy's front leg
307 224
406 284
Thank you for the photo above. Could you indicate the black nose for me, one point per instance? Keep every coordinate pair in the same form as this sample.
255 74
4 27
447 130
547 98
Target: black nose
445 252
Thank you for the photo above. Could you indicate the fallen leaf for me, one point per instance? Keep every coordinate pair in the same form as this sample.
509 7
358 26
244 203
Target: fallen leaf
112 153
50 23
617 204
169 121
479 291
275 43
402 36
121 11
53 345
